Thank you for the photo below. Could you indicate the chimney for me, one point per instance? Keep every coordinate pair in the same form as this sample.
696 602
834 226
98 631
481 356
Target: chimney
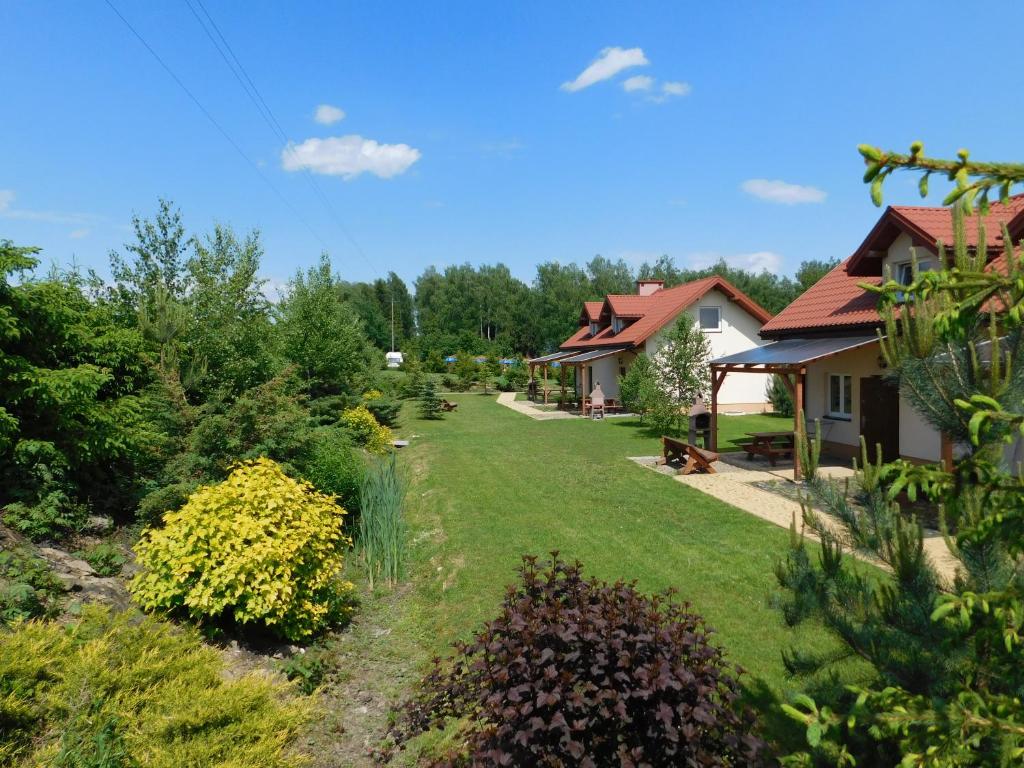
647 287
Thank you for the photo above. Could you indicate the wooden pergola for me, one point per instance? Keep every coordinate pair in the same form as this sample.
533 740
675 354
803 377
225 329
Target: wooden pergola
543 362
579 359
789 359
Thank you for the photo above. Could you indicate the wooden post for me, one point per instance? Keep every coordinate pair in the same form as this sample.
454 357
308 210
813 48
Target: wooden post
562 402
946 452
798 411
716 382
544 384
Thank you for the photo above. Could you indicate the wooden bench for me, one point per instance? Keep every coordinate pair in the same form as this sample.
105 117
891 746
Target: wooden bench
447 405
692 458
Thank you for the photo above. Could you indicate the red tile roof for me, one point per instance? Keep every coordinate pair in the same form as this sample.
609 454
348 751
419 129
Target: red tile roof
837 302
655 311
592 310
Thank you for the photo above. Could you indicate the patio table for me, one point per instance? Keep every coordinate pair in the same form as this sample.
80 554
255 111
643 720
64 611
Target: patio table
770 444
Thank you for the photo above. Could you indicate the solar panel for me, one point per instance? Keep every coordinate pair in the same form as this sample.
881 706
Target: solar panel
592 354
795 351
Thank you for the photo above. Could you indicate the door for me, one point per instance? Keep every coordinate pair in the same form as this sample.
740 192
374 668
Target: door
880 417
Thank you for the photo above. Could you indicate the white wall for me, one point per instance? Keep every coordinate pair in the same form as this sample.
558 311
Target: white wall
900 252
918 439
606 373
738 334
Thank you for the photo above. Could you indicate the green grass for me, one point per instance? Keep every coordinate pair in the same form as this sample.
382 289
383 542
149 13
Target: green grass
490 485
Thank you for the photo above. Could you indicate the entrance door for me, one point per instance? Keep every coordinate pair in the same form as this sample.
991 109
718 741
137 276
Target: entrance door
880 417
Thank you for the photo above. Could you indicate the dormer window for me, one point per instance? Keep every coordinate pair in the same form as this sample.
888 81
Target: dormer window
594 328
905 275
905 271
617 324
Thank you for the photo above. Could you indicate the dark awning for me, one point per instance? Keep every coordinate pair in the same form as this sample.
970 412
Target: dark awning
793 352
592 354
549 358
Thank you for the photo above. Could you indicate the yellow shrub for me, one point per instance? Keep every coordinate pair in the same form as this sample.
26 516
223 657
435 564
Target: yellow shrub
111 690
372 394
361 423
259 548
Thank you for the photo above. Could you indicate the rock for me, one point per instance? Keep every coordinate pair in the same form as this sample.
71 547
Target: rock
61 560
78 577
98 524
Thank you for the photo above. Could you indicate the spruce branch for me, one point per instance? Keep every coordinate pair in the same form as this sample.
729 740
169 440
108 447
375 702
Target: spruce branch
973 181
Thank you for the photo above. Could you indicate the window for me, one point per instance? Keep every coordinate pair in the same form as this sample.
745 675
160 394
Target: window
710 318
593 329
905 271
617 324
840 396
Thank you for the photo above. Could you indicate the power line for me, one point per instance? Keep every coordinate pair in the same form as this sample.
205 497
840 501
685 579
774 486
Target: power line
253 92
216 124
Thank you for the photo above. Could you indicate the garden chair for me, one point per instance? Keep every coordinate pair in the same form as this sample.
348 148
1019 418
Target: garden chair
597 402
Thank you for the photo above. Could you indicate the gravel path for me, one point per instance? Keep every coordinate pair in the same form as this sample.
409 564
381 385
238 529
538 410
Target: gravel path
525 407
737 487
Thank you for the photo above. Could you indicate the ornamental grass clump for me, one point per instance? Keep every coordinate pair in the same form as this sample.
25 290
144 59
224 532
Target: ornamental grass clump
578 672
259 549
382 529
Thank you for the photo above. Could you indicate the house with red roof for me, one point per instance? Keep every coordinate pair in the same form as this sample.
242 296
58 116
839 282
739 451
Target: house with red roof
826 341
612 332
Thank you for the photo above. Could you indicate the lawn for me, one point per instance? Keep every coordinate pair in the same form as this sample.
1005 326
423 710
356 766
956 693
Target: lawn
493 485
489 485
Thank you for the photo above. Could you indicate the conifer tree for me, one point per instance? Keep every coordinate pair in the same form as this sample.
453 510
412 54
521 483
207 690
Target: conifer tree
946 654
429 402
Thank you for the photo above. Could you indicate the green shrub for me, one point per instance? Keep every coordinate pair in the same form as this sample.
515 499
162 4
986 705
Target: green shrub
28 588
516 377
111 691
335 467
366 431
258 549
308 669
382 529
779 397
54 516
105 558
385 411
413 385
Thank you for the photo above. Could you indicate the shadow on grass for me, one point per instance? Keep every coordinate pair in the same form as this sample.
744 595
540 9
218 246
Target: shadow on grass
785 734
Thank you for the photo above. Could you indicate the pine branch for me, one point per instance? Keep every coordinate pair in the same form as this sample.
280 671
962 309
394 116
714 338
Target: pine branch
973 180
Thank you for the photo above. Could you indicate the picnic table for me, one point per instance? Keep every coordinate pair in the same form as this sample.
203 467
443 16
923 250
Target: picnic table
770 444
611 405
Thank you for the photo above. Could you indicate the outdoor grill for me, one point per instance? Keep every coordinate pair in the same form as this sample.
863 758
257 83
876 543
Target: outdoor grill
700 425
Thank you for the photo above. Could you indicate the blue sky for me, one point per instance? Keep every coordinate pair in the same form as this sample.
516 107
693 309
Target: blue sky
476 143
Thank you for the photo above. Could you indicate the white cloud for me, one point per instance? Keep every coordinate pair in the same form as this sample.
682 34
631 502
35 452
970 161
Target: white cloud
608 64
638 83
675 88
78 234
273 288
503 147
348 157
758 261
50 217
328 115
777 191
